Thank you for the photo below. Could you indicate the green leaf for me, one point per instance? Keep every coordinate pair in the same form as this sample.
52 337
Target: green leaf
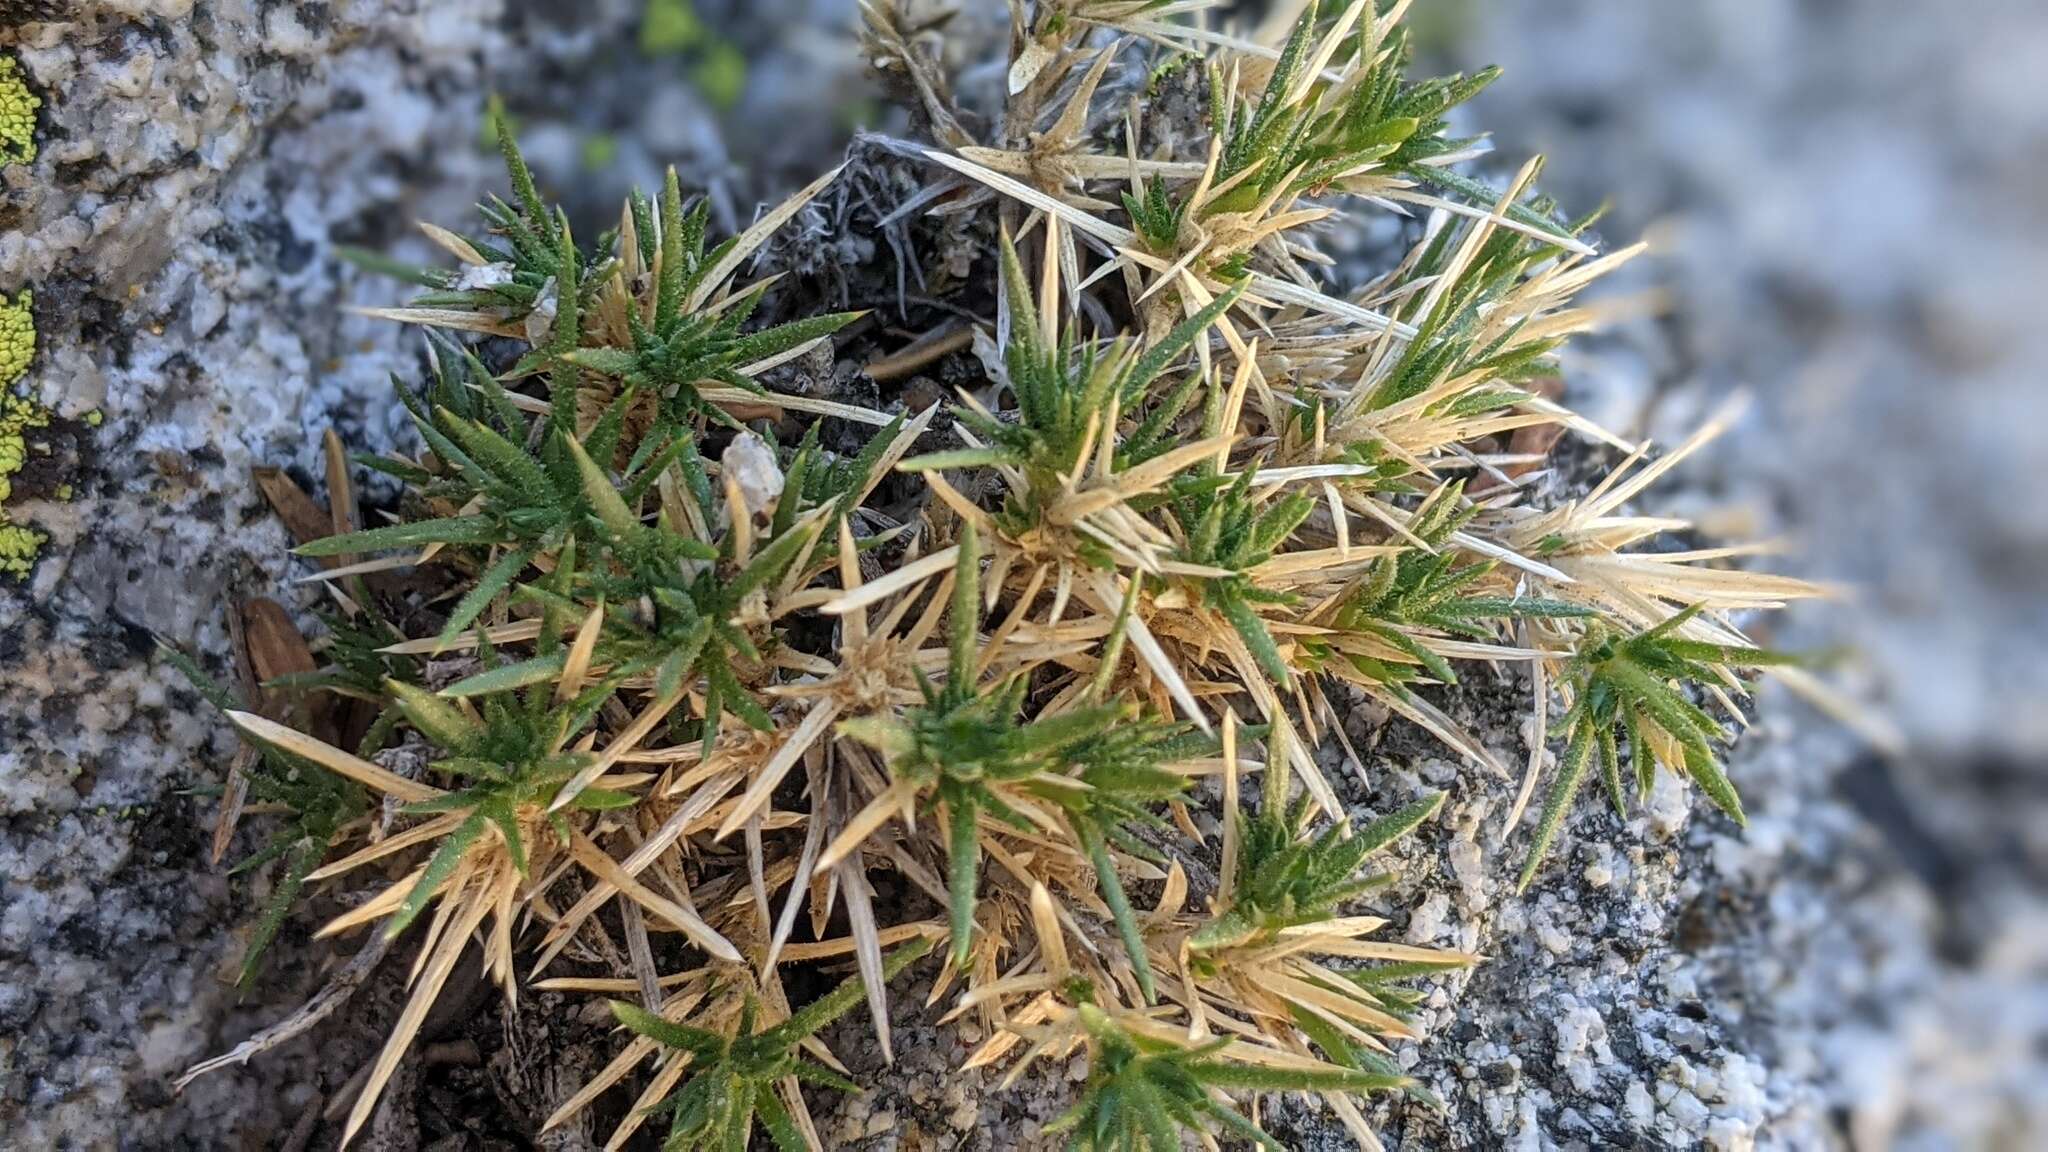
963 861
1025 338
439 867
1395 825
604 499
674 253
603 361
769 563
303 856
498 811
1259 1078
1119 907
523 187
504 460
494 580
1481 195
1176 341
1256 638
860 474
781 1129
379 264
442 723
1706 772
412 534
205 685
604 800
777 340
1610 770
810 1073
808 1019
963 624
1513 607
537 670
665 1032
1577 756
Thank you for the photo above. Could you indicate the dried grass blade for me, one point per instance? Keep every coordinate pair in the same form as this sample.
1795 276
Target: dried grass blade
607 869
332 758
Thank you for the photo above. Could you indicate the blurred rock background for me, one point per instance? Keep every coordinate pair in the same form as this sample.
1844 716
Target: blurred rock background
1846 198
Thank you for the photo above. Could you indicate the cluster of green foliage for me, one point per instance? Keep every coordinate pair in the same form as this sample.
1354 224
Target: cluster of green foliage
1065 388
683 346
1384 120
1629 685
1229 527
1447 345
1427 590
1100 764
735 1074
1143 1093
1285 878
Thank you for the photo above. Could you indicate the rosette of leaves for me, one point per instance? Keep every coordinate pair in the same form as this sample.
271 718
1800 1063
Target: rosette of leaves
735 1077
1285 878
524 277
1279 949
679 344
970 750
974 749
1429 591
1229 526
505 762
1069 393
1453 339
682 595
1638 687
491 803
513 502
1301 135
1146 1090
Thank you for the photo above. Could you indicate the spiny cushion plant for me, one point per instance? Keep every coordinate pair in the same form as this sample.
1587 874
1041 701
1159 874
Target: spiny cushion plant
671 673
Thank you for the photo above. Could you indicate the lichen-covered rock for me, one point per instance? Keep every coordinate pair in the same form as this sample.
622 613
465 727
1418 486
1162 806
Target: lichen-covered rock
196 164
17 115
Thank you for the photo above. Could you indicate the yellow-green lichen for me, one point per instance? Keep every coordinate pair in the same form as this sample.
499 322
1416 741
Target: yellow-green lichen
17 115
18 416
17 336
18 547
18 542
